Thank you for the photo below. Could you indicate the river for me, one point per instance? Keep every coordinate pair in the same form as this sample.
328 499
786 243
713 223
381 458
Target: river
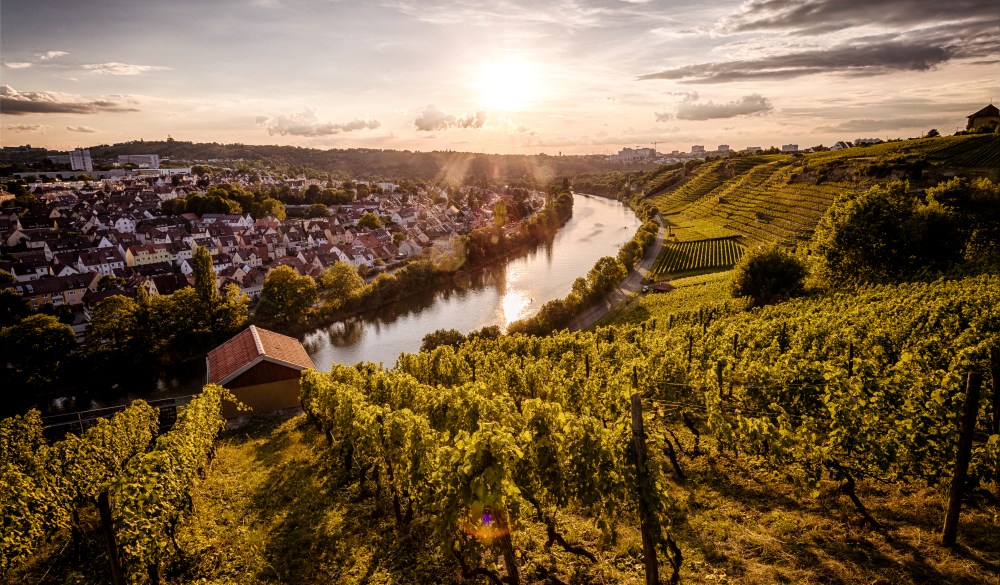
496 295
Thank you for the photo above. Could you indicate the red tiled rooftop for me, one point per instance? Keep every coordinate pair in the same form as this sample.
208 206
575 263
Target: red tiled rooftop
253 344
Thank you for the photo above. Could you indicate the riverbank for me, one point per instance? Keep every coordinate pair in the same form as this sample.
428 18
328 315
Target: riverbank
627 289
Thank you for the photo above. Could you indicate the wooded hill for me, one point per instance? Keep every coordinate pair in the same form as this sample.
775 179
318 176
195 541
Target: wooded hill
371 163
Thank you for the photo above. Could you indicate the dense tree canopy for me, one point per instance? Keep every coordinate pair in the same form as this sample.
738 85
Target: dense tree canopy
286 298
36 349
768 275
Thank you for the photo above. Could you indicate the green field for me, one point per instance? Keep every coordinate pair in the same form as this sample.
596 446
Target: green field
682 257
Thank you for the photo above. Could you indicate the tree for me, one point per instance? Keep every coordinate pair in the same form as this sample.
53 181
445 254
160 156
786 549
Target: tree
604 276
884 233
317 210
286 298
499 214
768 275
933 133
339 283
269 207
13 307
441 337
370 221
36 349
110 281
112 331
205 283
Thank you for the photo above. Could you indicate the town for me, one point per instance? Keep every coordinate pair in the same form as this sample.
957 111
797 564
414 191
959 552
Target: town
68 245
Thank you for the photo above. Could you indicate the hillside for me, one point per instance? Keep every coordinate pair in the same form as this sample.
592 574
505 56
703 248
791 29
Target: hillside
361 163
810 442
780 198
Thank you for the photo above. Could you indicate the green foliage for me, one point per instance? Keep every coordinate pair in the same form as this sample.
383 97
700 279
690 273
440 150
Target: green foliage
678 257
317 210
768 275
36 351
287 298
269 207
339 283
110 281
885 233
152 494
369 221
13 307
43 487
441 337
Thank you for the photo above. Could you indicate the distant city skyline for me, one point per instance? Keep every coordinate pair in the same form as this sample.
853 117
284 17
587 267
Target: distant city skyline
574 76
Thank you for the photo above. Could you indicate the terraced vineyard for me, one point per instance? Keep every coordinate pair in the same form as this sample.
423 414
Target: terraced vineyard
698 255
776 198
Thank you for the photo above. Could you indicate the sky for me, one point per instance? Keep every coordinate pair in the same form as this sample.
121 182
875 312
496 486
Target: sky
505 76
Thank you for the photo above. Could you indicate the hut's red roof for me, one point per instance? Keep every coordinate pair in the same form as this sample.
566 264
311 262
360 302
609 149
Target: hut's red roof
253 345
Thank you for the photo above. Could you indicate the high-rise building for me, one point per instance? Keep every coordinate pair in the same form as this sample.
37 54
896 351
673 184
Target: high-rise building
79 160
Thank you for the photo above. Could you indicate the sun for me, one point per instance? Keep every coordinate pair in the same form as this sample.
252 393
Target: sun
508 85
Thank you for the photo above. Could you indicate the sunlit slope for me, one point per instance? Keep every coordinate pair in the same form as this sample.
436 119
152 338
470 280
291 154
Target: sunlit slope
780 198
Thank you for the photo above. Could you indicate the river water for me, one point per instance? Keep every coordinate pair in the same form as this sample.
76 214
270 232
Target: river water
496 295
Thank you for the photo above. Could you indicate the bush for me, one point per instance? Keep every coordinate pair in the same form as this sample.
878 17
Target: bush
768 275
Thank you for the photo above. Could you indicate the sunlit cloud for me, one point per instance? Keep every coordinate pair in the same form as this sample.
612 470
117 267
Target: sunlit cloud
20 103
748 105
49 55
16 65
82 129
121 68
432 119
307 123
27 128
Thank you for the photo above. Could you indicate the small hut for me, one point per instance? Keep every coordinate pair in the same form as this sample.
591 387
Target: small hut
261 368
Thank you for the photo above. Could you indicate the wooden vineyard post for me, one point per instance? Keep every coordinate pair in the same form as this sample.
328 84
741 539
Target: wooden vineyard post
104 507
966 431
995 374
649 524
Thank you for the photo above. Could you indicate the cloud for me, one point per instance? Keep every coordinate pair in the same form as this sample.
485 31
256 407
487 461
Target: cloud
48 55
20 103
121 68
808 17
872 59
747 105
867 125
27 128
306 123
431 119
664 117
84 129
16 65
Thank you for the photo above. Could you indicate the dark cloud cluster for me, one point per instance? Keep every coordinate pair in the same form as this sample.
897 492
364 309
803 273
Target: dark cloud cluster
871 59
919 35
306 123
432 119
868 125
27 128
21 103
809 17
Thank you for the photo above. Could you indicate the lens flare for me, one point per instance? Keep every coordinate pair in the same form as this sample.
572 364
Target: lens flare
482 523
